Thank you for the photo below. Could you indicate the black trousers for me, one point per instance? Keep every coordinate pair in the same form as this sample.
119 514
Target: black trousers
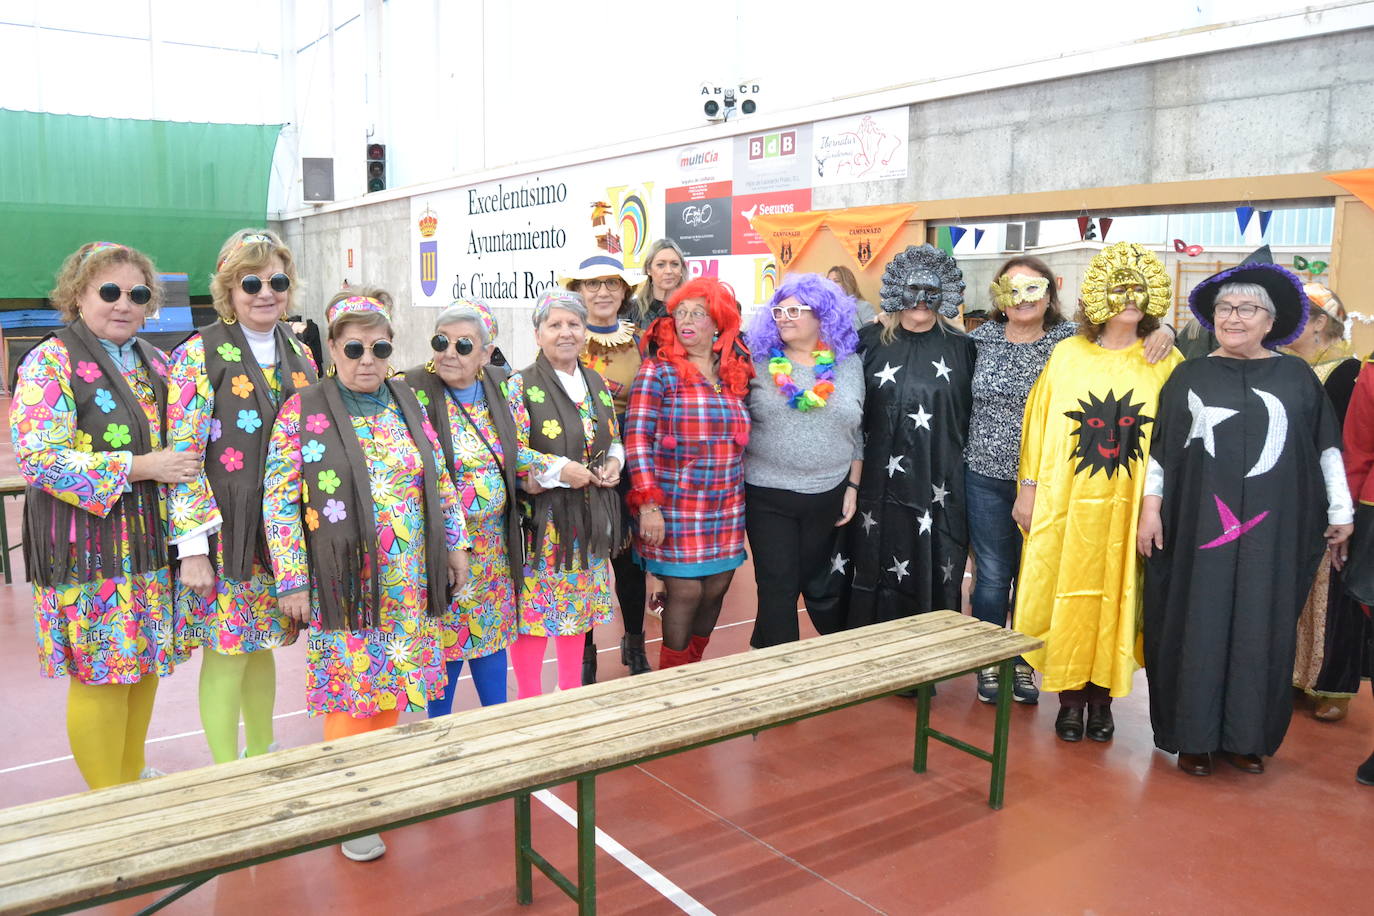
789 538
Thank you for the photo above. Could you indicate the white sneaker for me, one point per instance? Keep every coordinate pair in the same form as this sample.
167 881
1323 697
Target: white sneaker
364 848
274 746
151 773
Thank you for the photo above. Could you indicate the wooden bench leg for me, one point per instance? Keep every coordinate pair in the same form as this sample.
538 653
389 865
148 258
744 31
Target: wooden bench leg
586 846
524 866
1006 671
922 727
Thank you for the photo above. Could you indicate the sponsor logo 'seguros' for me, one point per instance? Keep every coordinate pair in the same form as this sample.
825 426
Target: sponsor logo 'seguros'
770 209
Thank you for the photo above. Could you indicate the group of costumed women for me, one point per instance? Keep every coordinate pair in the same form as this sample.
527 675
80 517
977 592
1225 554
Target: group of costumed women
1146 509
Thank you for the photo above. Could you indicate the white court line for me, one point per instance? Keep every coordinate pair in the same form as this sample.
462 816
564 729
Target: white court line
641 869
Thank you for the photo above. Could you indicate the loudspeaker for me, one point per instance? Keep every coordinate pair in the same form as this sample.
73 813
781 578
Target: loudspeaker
318 175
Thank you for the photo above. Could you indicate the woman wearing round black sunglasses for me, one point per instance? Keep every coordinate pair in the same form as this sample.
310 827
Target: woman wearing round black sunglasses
228 380
88 435
485 442
364 531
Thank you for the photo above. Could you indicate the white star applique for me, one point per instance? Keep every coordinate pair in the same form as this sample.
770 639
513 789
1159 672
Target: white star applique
920 417
898 568
837 563
941 370
894 465
948 570
939 494
925 521
887 374
1204 420
868 521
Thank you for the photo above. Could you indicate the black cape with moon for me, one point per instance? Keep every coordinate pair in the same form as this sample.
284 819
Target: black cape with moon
905 549
1244 517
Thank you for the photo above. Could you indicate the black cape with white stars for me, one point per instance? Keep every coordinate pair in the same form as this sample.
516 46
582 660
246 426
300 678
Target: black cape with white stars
1244 514
905 550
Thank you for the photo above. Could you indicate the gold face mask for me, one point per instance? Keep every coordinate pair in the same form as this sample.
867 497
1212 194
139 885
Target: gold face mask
1008 291
1122 273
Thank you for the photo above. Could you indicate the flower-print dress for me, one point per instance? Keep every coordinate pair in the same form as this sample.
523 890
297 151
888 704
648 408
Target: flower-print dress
562 602
242 615
397 664
114 630
482 618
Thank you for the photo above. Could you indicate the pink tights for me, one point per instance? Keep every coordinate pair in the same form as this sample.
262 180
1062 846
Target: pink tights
527 658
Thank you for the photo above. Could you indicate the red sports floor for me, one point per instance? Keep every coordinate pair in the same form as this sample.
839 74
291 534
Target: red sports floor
824 816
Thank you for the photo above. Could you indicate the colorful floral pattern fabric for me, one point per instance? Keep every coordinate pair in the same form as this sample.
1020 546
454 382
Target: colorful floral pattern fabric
482 618
110 630
562 602
398 664
241 616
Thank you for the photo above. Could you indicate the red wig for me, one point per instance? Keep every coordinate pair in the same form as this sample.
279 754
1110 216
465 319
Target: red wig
735 366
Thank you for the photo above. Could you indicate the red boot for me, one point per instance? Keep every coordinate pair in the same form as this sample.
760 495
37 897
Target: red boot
672 658
697 647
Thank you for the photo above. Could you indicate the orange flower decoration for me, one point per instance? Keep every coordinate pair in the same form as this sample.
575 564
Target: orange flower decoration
299 380
241 386
312 518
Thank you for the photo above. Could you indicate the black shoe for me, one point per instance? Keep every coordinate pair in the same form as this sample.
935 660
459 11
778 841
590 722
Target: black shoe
987 685
1100 724
588 664
1365 774
1023 685
631 654
1068 725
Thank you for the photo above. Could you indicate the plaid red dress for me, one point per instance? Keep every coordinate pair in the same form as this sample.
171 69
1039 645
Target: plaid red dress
686 439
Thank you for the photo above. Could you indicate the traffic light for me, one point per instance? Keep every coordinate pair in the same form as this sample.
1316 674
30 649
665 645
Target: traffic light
376 167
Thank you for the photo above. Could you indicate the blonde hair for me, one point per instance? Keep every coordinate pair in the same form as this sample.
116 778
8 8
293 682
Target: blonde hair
82 266
360 319
643 299
237 259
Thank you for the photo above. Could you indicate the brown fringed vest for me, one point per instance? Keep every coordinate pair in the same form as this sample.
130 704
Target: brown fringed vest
343 553
242 392
63 543
589 518
432 394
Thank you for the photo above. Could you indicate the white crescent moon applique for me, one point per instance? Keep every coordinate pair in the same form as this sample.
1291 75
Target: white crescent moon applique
1274 437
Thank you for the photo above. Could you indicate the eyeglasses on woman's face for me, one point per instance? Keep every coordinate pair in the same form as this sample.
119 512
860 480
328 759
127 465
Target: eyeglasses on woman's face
381 349
600 283
789 312
252 284
1243 309
440 343
138 295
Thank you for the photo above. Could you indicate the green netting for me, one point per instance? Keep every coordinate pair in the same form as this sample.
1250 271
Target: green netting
174 190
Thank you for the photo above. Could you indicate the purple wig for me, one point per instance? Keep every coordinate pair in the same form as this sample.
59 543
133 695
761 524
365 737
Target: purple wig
832 307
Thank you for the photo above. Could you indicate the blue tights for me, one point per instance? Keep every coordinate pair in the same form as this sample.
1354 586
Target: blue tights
488 676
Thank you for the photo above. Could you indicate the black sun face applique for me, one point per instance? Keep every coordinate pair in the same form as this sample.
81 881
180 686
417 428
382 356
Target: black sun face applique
1109 433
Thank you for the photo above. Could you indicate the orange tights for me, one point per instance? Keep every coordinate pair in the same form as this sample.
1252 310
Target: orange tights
340 724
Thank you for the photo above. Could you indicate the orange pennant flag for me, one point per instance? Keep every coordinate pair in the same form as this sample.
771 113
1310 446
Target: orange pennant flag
786 234
1359 182
865 231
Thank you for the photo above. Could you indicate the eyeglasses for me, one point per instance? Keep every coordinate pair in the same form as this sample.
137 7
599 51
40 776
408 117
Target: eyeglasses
439 343
682 316
791 312
252 284
139 295
592 286
1248 310
381 349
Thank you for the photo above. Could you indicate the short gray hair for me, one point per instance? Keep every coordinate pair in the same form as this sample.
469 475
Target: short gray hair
456 313
562 299
1253 290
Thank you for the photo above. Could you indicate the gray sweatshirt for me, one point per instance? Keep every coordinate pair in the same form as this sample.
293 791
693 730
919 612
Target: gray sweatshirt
806 452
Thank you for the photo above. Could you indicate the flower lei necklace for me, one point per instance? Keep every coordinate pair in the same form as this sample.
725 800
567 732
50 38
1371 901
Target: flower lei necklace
813 398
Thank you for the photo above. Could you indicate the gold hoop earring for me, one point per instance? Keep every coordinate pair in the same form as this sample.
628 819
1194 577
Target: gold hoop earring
230 320
480 374
431 368
330 372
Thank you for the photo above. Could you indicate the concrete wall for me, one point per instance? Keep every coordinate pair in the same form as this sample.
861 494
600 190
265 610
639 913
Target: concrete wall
1300 106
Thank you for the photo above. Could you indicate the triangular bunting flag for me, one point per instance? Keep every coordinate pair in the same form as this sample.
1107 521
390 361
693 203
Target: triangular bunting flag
1359 182
955 234
977 237
865 231
1243 215
786 234
1104 224
1264 220
942 241
1083 222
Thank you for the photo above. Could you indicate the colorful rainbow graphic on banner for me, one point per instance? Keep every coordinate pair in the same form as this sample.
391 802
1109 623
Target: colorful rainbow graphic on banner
634 228
765 279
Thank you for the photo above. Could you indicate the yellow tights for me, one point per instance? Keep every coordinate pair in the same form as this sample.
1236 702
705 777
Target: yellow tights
107 725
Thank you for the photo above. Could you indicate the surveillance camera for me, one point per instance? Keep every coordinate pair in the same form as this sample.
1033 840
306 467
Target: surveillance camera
712 109
729 98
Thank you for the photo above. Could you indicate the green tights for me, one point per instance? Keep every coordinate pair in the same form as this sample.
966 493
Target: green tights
231 685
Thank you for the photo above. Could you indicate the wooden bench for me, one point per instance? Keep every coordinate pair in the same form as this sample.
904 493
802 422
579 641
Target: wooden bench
185 828
9 486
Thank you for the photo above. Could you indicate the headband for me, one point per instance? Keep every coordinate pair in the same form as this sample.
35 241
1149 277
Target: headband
354 304
100 246
252 238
